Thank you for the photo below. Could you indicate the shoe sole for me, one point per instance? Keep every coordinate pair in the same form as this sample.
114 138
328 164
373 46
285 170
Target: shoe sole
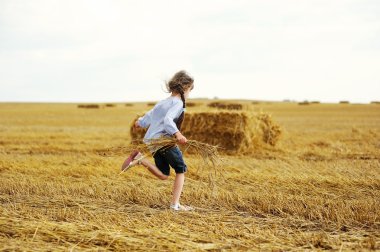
129 160
187 208
133 163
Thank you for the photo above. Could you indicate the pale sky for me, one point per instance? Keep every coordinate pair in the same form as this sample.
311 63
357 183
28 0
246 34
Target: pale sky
120 51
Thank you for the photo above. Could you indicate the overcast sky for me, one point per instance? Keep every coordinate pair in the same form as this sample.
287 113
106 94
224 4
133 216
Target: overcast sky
77 50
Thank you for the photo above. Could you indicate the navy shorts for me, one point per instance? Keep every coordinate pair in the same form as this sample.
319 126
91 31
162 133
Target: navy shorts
170 156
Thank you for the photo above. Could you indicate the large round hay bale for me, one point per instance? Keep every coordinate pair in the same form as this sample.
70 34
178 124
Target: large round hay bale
234 132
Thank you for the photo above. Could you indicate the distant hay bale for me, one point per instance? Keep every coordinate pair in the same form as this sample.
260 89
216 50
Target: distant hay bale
344 102
151 104
228 106
375 102
90 106
214 105
110 105
129 104
191 104
234 132
234 106
304 103
255 102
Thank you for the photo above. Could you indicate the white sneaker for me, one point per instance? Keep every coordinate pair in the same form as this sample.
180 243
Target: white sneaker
179 207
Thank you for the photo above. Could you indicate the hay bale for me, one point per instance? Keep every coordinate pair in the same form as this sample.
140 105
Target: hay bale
234 132
110 105
234 106
213 105
151 104
228 106
191 104
344 102
129 104
90 106
304 103
271 131
375 102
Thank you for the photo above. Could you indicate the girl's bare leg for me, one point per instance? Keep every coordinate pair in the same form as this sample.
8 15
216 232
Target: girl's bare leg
177 187
153 169
178 182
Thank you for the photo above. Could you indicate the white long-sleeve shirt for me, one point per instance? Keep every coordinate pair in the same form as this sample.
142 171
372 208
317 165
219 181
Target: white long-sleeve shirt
161 118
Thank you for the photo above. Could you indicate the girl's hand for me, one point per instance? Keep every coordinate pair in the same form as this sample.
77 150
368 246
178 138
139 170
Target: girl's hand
180 138
137 125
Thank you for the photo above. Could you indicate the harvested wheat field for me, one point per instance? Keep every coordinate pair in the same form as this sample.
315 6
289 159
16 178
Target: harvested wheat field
316 188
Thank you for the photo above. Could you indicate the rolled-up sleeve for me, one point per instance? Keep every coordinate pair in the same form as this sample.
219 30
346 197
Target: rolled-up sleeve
145 120
173 112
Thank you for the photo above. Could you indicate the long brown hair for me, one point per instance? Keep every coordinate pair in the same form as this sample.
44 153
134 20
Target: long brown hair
180 82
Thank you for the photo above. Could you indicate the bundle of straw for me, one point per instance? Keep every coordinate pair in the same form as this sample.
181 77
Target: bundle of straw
209 153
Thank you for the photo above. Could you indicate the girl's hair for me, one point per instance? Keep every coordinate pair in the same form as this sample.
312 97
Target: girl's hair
180 82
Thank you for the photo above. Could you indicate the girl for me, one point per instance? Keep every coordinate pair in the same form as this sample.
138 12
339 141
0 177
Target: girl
165 119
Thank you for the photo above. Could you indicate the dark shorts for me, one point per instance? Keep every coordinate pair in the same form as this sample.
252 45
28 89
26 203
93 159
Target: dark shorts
170 156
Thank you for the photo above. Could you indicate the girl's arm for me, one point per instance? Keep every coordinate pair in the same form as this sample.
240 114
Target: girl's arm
181 138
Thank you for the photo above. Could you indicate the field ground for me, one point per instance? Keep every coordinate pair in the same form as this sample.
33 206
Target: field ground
60 189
